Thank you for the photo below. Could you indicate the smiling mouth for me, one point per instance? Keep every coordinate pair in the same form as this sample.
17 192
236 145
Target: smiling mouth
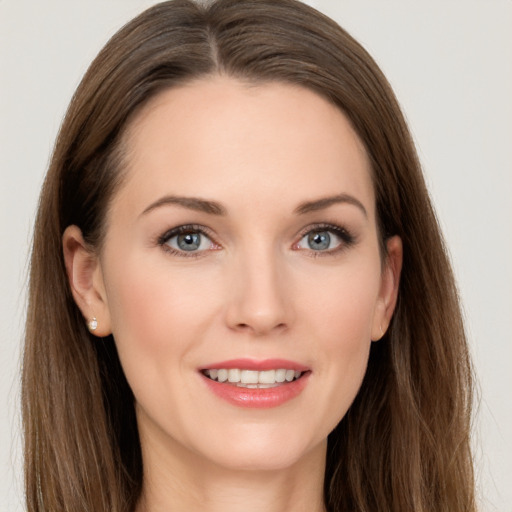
253 379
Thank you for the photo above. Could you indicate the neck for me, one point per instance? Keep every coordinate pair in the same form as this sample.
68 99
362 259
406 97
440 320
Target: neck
186 481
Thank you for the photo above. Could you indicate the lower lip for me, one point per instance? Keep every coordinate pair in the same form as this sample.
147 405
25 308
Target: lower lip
259 398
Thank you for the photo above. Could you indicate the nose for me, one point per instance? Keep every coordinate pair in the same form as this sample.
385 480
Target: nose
260 298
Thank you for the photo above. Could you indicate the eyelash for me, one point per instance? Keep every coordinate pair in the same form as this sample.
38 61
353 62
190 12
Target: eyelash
183 230
347 239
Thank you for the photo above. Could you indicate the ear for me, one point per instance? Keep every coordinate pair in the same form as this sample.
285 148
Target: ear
388 294
86 280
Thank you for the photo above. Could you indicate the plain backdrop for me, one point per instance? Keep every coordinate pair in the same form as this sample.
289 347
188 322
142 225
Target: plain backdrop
450 63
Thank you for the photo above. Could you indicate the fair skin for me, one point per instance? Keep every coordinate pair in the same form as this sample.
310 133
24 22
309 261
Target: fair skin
264 271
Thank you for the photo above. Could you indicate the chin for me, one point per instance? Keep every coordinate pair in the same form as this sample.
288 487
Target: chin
263 451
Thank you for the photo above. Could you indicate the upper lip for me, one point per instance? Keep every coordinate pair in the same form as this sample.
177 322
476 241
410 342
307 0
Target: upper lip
258 365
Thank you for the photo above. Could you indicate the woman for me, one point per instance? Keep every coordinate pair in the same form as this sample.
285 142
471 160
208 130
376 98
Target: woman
241 283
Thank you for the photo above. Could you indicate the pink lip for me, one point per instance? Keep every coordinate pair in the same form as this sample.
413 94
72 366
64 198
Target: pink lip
253 364
258 397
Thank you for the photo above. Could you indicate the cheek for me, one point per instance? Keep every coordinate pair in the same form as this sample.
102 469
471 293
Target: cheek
343 303
155 317
346 340
146 297
342 314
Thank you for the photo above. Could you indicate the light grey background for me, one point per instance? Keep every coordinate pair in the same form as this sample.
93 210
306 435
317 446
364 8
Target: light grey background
450 63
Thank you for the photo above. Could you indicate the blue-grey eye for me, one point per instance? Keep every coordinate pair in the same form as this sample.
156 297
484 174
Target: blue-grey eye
320 240
190 241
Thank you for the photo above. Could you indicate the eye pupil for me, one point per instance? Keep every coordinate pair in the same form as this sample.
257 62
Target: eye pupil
319 241
189 241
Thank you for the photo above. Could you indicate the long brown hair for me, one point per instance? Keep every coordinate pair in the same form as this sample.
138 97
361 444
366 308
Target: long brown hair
404 443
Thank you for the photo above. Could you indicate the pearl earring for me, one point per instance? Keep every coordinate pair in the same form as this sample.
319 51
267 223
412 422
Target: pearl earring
92 324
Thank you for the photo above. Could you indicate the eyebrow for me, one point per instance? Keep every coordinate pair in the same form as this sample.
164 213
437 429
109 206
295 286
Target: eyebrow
214 208
325 202
191 203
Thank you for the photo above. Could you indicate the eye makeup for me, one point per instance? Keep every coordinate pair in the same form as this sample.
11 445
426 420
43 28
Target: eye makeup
195 240
192 241
318 239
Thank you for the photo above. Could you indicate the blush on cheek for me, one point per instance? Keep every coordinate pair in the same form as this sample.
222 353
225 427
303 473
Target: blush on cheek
346 336
137 310
349 319
156 312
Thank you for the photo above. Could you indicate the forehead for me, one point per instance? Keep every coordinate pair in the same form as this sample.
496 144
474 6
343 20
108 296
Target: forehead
220 138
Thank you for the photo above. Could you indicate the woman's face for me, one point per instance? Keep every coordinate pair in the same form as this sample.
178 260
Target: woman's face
243 238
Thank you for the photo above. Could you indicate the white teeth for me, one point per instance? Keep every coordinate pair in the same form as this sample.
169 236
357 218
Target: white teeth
256 386
249 377
253 378
267 377
234 375
280 375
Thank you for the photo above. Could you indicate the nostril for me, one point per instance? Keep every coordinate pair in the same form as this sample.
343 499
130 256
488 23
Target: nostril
261 329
